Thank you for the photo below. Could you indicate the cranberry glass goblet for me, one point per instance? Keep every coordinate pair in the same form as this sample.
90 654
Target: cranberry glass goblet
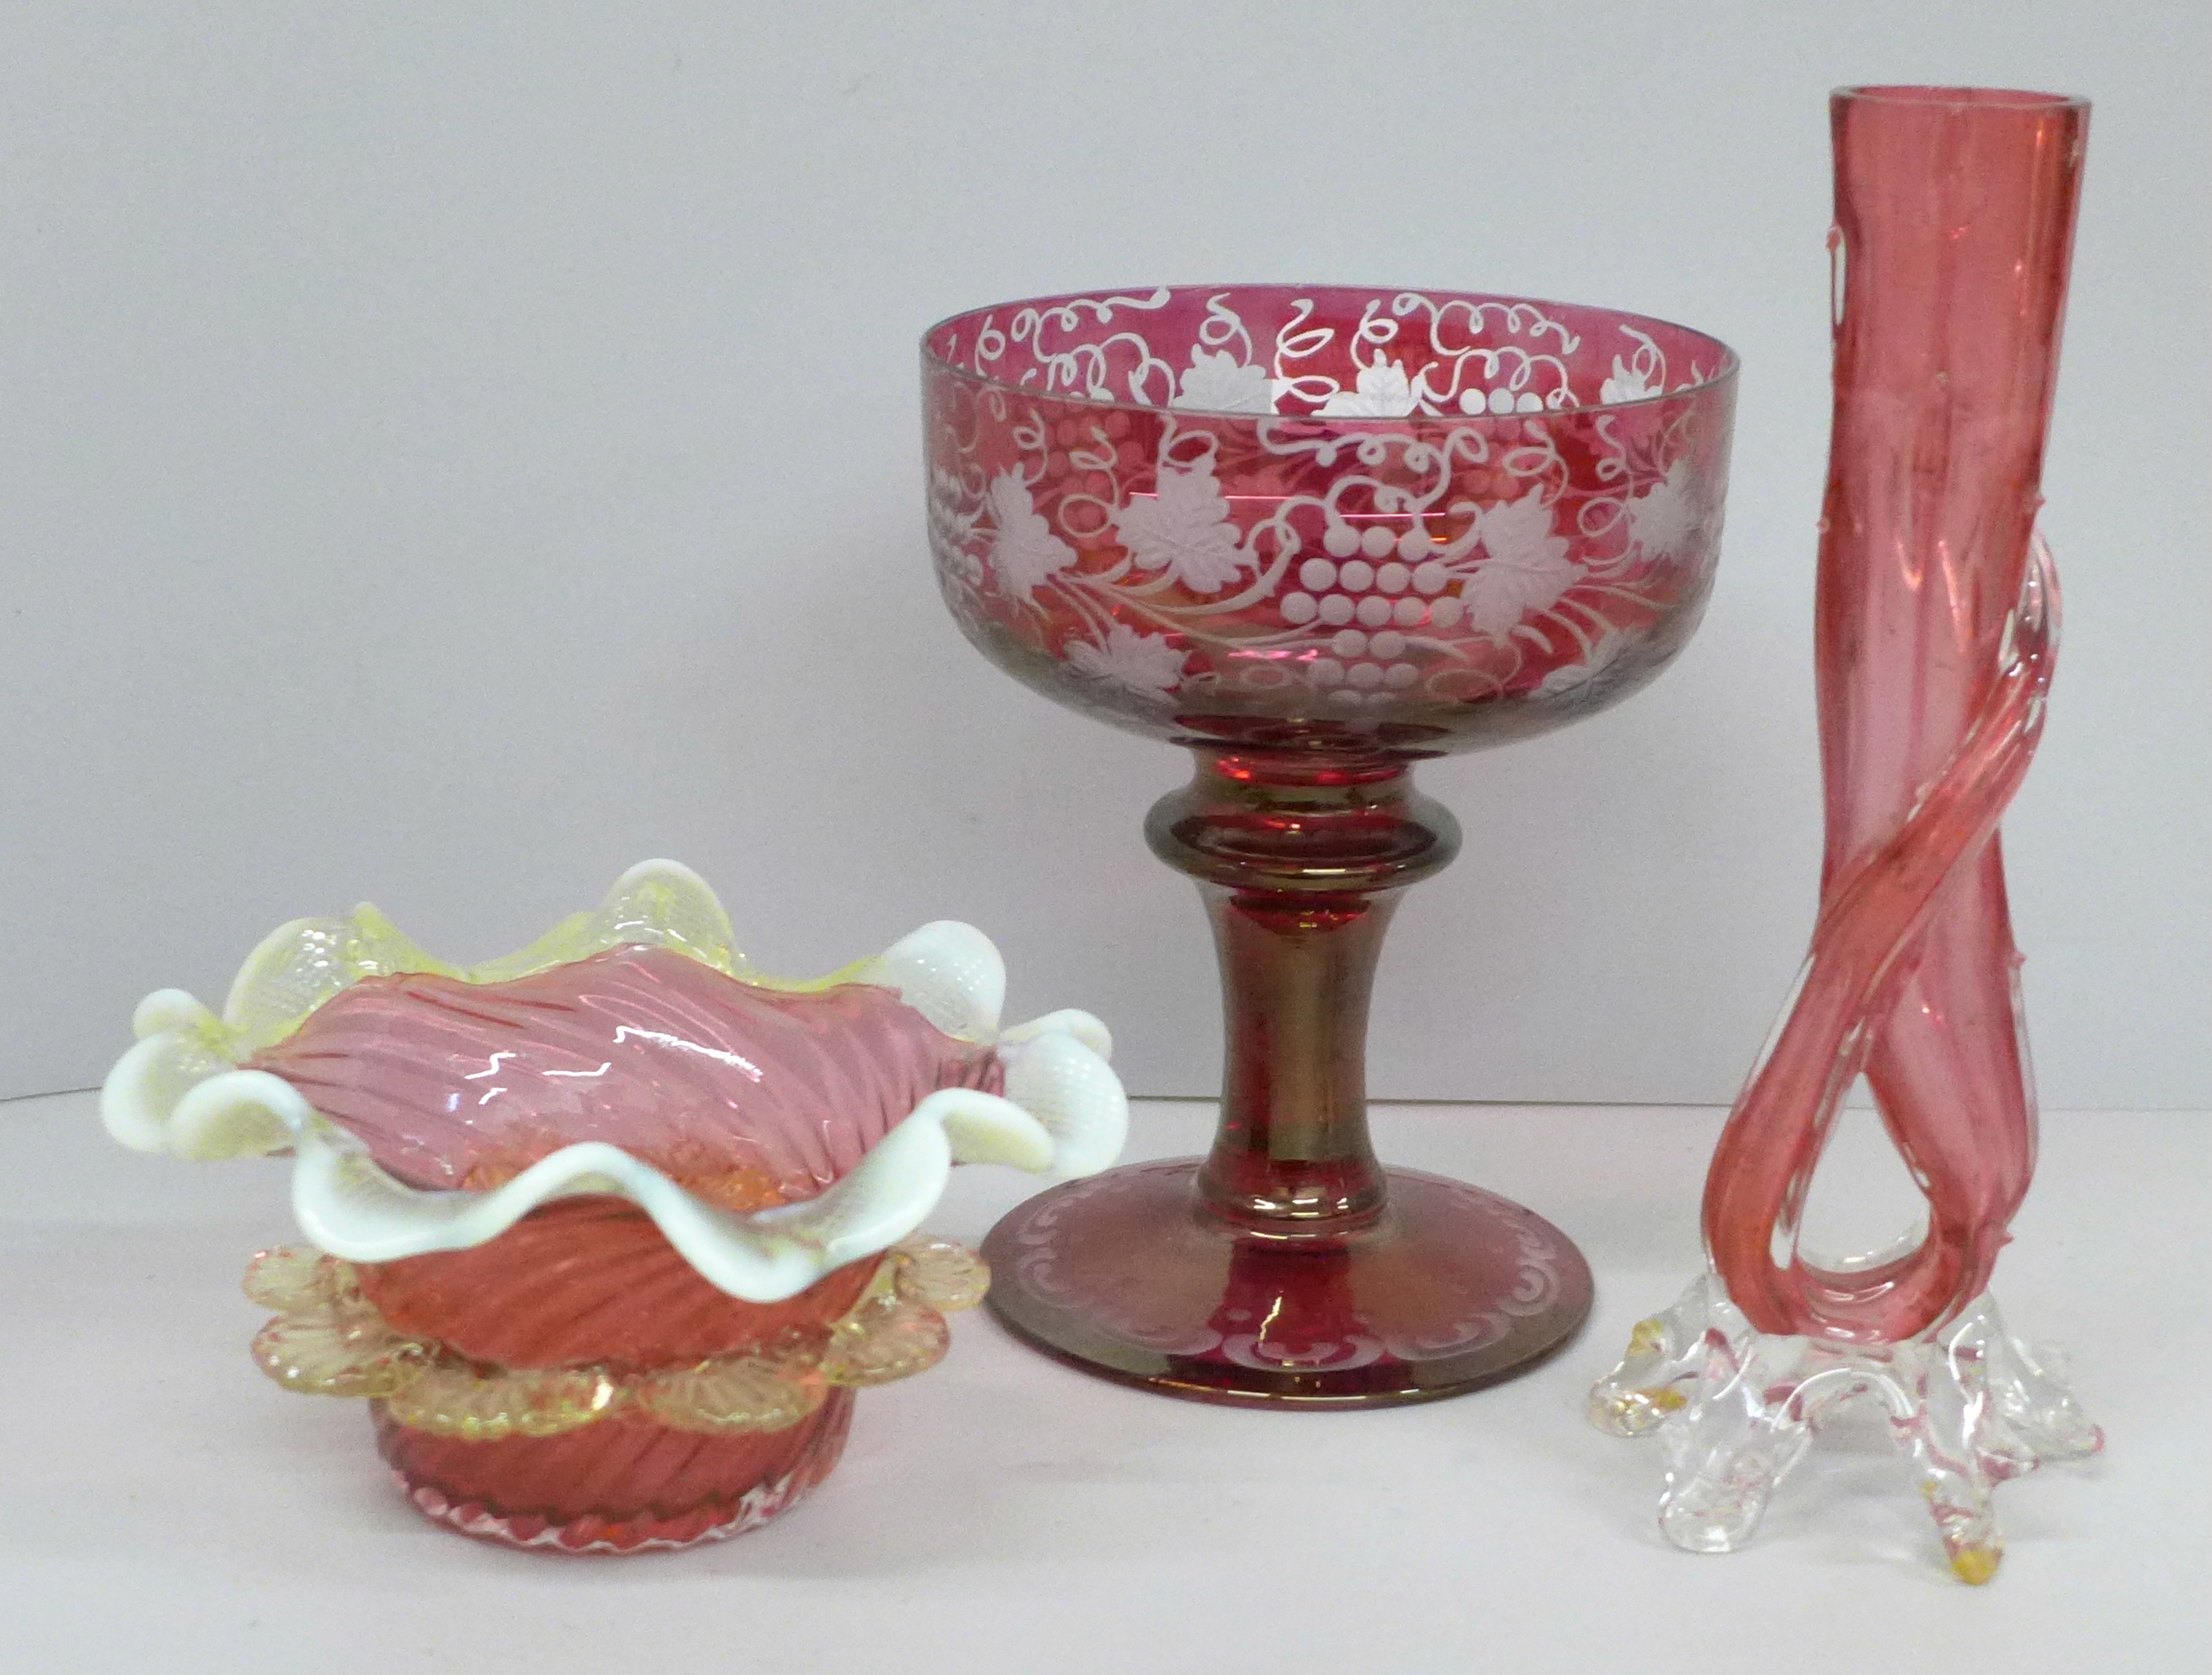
1314 536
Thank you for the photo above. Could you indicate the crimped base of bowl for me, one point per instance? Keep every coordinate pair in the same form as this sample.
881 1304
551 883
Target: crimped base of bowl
626 1484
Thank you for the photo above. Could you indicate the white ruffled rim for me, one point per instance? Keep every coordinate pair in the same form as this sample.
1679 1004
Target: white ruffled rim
179 1091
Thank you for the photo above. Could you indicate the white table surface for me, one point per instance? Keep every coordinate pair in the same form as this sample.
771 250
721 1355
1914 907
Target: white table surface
164 1508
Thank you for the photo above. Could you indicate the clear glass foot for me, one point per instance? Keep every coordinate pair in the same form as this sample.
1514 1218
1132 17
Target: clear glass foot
1735 1410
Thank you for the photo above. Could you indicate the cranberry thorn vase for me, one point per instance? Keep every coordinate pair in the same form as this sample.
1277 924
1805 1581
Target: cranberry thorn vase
1936 634
1314 537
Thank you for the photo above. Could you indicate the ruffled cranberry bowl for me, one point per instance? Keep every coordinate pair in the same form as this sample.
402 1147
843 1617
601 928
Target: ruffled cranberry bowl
609 1232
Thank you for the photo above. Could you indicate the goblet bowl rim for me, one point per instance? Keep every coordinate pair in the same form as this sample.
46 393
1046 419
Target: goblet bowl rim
1723 375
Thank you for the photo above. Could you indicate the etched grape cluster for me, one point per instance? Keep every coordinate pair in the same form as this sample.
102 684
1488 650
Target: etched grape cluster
1377 586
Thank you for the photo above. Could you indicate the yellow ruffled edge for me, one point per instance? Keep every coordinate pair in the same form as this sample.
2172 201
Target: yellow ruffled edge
327 1338
302 965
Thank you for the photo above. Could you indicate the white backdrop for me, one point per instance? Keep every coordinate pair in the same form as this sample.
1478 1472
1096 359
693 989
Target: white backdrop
447 454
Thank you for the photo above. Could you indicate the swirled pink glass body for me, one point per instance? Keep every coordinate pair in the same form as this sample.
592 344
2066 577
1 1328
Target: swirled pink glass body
1936 635
748 1095
768 1095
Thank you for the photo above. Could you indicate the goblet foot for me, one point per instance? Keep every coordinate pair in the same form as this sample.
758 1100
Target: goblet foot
624 1484
1125 1275
1736 1409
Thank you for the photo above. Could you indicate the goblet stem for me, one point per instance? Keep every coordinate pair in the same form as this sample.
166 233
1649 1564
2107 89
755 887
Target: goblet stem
1299 863
1289 1267
1292 1156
